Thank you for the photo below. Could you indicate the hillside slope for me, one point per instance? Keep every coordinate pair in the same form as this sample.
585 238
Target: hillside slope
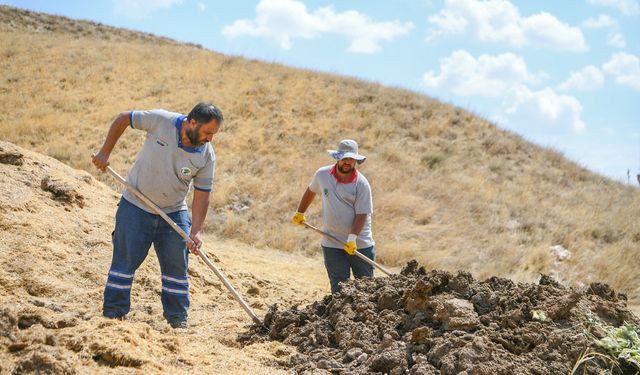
56 250
449 188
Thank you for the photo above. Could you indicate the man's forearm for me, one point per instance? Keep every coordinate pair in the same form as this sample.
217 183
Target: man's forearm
116 129
358 223
199 210
306 200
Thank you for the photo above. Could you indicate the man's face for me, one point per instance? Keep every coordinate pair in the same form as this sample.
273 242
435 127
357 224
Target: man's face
346 165
199 134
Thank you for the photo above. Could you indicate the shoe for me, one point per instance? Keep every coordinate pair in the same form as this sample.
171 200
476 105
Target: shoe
178 324
110 315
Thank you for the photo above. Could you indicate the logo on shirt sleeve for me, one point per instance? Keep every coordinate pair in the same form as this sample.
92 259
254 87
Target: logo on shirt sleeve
186 171
326 192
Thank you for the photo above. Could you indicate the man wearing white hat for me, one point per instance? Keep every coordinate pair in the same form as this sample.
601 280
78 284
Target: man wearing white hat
346 214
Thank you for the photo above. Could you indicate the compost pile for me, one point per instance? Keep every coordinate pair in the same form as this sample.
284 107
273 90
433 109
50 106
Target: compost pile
436 322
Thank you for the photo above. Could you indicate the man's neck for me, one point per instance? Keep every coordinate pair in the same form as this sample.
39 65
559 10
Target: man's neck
183 134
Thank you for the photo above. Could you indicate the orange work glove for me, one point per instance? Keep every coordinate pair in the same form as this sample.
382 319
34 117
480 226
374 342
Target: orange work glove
298 218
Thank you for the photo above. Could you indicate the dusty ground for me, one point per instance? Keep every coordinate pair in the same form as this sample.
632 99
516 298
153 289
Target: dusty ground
55 251
437 322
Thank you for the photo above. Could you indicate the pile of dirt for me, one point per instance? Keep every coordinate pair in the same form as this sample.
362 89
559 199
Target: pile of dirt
436 322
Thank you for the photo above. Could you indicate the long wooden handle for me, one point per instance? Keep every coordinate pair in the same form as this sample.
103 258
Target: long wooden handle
357 253
182 234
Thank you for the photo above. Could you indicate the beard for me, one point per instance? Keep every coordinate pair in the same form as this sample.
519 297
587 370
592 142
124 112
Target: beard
345 168
192 134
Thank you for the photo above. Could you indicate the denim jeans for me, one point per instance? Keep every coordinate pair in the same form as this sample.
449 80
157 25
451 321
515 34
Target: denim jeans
339 264
135 231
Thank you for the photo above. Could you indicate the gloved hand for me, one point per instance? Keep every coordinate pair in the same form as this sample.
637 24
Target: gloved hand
298 218
351 244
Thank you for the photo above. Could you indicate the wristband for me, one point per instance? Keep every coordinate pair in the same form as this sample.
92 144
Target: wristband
352 237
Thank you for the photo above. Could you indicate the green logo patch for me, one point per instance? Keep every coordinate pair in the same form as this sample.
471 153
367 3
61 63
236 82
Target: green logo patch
326 192
186 171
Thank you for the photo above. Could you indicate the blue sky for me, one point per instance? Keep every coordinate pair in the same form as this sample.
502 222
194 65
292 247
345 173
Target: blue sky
564 74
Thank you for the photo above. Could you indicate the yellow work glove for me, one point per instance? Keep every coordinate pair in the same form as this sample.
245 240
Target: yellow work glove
351 244
298 218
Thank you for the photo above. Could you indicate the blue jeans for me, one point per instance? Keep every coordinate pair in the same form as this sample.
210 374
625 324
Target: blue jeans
135 231
339 264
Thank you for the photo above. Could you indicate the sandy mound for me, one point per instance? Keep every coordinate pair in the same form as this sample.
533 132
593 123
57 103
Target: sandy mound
436 322
55 251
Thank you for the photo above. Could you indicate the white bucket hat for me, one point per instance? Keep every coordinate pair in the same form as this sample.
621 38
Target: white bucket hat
347 148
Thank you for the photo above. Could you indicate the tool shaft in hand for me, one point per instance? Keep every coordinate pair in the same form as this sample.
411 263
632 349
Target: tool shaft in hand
358 254
184 235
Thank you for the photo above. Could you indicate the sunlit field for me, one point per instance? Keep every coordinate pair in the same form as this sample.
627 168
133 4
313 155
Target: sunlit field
449 188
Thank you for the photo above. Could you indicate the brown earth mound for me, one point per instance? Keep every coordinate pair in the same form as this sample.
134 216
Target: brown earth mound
55 250
437 322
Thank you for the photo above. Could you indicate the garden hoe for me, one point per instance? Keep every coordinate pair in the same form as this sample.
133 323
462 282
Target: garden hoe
358 254
182 234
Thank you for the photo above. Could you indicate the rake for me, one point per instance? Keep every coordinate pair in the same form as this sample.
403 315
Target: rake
358 254
182 234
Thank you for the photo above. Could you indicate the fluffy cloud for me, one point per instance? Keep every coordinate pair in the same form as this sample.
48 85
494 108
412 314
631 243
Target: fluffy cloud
616 40
615 37
284 20
589 78
488 76
625 69
500 21
505 77
603 21
542 108
627 7
141 8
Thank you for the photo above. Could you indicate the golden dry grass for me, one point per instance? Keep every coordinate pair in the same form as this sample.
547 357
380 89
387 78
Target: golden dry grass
449 188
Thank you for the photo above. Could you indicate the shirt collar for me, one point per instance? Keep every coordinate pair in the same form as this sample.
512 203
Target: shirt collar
192 150
351 179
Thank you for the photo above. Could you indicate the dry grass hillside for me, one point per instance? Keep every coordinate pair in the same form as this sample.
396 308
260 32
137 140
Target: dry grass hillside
450 189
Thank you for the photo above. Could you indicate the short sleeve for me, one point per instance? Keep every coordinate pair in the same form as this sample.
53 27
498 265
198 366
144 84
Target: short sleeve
203 180
148 120
364 202
314 186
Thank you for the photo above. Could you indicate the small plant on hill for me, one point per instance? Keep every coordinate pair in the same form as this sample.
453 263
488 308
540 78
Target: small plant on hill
622 343
619 343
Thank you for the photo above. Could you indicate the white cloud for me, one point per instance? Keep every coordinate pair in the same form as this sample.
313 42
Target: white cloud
603 21
627 7
500 21
284 20
202 6
616 40
487 76
505 77
542 108
141 8
625 68
615 37
589 78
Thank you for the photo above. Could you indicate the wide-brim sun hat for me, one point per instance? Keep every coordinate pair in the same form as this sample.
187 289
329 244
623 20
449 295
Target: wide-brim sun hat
347 148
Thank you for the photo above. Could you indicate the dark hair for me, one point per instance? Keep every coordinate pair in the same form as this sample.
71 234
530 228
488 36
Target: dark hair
205 112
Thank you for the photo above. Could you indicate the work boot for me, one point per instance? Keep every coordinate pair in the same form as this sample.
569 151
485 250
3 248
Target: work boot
113 316
178 324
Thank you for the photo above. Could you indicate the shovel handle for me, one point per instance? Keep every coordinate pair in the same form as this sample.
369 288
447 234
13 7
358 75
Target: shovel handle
182 234
357 253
